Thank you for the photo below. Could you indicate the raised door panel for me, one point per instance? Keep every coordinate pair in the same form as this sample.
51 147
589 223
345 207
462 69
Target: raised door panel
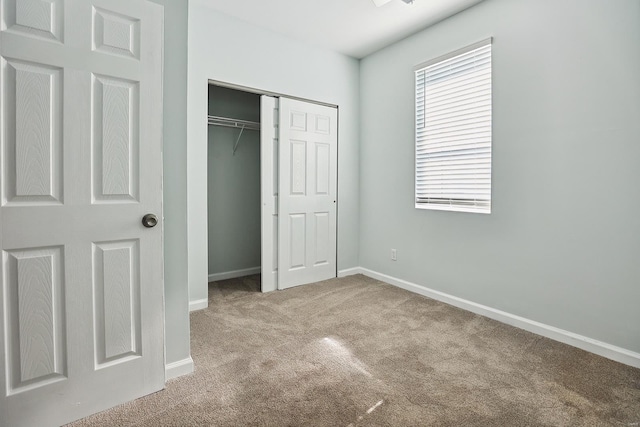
35 18
322 124
322 169
115 33
298 167
321 230
297 241
35 330
115 140
298 121
32 134
116 292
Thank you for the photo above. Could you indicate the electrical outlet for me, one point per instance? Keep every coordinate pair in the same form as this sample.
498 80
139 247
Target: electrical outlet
394 255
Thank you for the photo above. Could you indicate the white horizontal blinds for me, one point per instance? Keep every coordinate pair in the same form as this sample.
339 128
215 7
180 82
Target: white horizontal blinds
453 132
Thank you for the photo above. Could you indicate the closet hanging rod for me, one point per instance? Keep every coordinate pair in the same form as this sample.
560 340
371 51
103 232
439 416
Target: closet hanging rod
232 123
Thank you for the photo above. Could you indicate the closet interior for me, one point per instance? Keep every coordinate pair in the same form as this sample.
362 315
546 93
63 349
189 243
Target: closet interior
233 183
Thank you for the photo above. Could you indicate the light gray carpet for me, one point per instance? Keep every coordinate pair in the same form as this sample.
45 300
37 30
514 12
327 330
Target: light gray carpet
357 352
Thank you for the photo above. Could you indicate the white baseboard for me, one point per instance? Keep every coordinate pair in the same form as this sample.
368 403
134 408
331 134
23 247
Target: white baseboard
233 274
349 272
199 304
178 369
600 348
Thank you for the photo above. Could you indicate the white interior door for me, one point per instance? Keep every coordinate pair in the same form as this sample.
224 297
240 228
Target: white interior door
269 191
308 154
81 303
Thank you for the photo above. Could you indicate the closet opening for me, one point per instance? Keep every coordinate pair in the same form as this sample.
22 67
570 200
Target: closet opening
271 190
233 189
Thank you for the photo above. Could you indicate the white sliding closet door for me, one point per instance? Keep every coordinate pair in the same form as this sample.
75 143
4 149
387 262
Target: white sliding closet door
269 191
307 170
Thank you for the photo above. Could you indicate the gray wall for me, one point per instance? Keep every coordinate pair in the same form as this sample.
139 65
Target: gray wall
175 180
233 184
225 49
562 244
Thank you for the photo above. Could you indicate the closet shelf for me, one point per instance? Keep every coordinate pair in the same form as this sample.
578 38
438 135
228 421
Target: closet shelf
232 123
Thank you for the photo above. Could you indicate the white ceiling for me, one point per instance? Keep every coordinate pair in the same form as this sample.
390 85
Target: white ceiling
353 27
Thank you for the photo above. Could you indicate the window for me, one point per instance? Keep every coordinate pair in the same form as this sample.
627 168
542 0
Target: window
453 131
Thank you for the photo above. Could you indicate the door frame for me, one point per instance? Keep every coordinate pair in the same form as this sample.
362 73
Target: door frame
268 93
200 304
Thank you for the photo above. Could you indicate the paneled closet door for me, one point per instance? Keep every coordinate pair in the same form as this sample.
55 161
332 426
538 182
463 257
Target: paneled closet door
81 302
307 196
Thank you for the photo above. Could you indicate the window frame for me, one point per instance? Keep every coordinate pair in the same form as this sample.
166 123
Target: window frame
463 205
